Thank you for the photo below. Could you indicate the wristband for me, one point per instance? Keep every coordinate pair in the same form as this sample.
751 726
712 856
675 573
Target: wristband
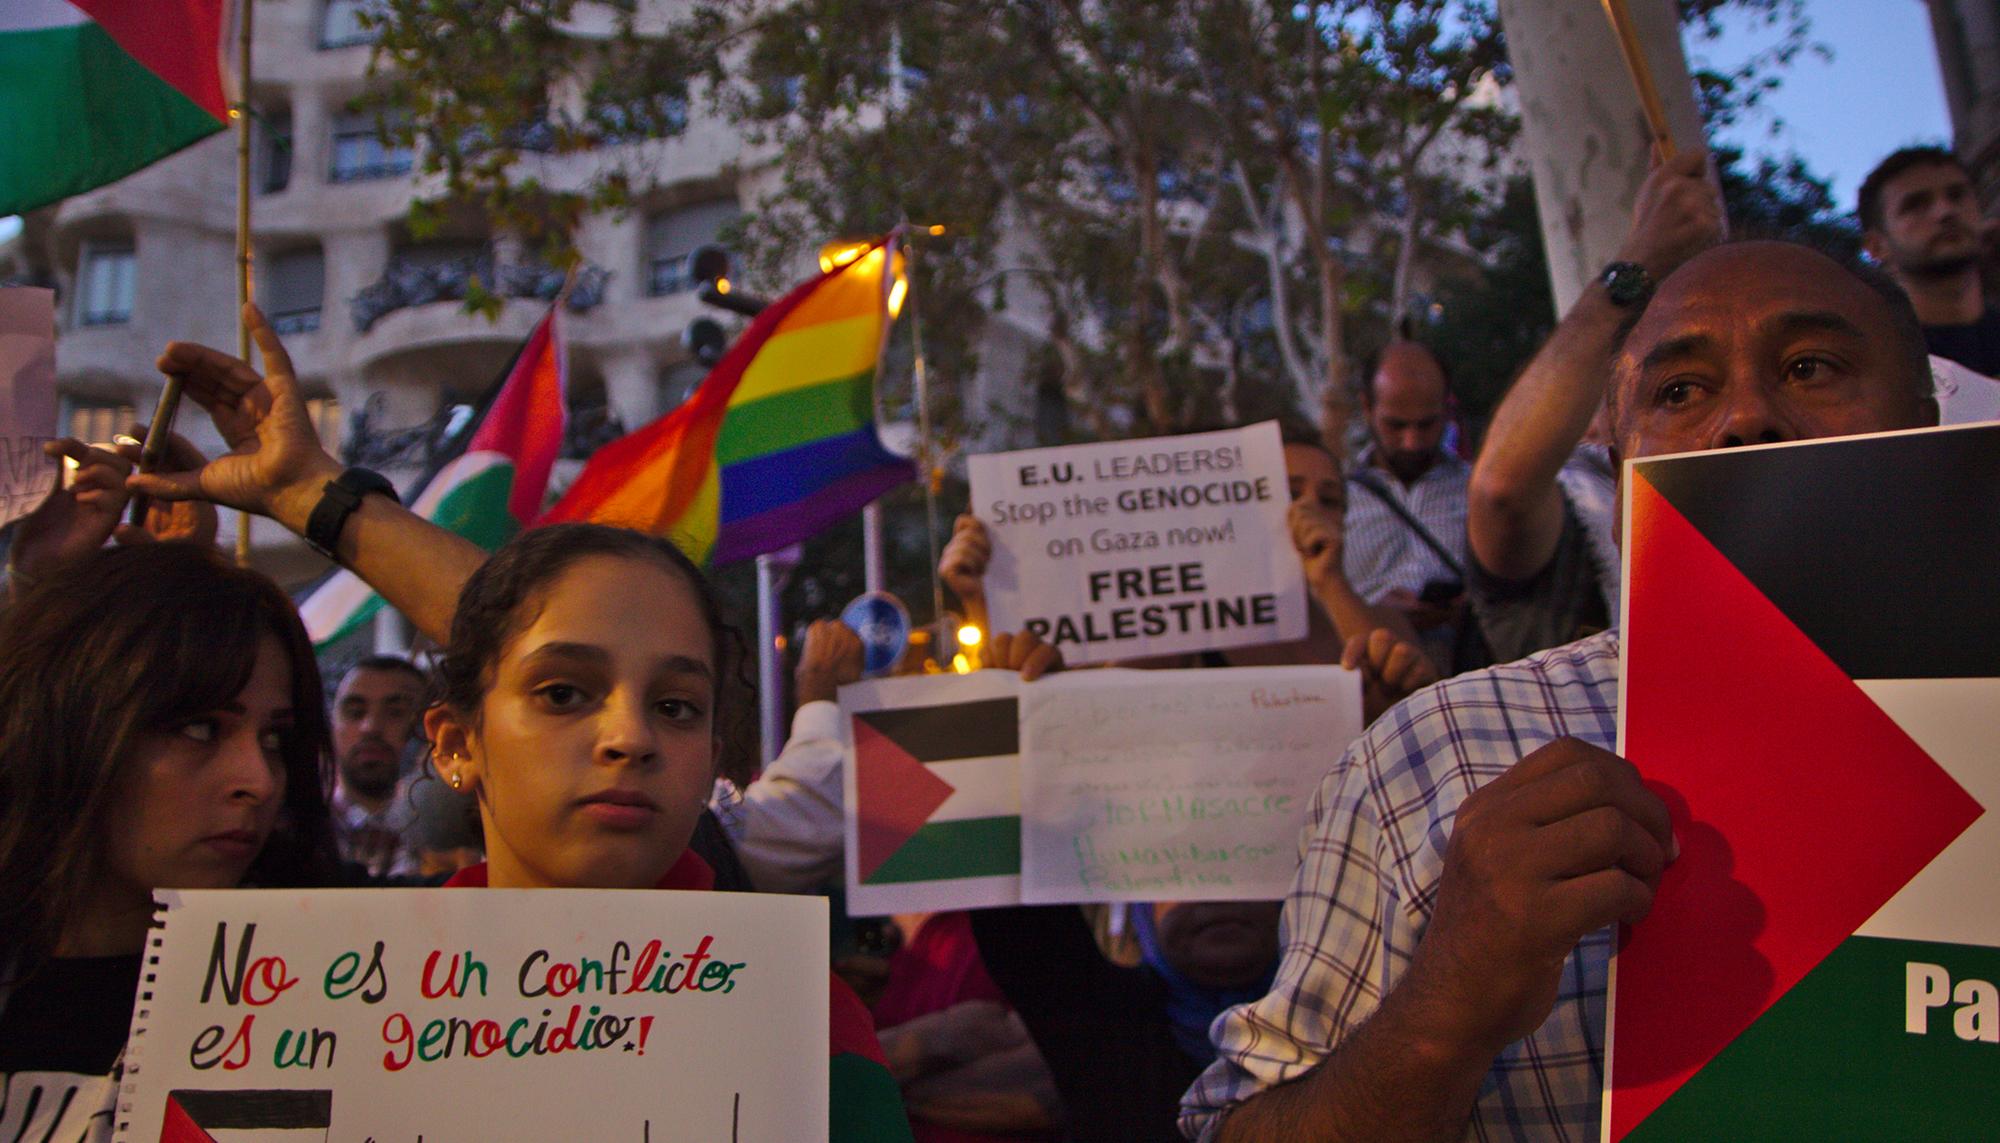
337 502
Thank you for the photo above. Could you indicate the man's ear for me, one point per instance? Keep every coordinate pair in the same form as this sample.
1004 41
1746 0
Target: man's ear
454 748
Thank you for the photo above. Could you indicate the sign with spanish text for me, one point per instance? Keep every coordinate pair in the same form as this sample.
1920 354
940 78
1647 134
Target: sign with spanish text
975 791
1130 549
1175 785
494 1014
1811 682
27 398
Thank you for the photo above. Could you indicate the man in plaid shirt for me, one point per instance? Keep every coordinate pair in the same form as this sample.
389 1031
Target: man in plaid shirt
1445 942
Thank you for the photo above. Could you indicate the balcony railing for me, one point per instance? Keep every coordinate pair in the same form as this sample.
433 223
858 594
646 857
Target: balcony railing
301 320
414 284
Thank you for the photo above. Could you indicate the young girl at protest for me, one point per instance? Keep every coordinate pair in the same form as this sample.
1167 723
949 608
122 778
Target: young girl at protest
160 727
590 686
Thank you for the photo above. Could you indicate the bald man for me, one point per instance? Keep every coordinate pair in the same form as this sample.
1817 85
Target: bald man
1448 934
1404 545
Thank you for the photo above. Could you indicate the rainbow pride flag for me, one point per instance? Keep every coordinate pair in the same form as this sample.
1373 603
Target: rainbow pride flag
777 442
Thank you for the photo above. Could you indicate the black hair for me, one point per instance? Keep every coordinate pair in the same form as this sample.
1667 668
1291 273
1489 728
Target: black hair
1868 205
503 596
118 644
390 663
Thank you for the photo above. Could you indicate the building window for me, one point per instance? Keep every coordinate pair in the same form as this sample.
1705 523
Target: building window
341 24
674 236
276 154
96 422
294 287
104 285
361 150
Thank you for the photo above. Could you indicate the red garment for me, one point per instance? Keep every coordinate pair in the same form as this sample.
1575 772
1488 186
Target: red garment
935 969
690 872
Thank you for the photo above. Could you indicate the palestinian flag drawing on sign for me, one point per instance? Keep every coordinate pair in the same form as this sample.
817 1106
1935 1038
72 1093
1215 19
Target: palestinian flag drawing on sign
234 1116
1812 683
933 793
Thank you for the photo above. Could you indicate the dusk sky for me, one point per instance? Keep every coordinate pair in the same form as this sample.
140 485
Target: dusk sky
1880 91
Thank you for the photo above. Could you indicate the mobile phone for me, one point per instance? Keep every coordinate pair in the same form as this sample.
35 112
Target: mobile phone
1441 591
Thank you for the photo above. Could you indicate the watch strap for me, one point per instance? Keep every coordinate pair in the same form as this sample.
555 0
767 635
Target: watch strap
338 500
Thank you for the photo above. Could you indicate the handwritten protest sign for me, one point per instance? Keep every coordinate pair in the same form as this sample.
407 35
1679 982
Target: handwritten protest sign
491 1015
1811 675
27 397
1175 785
933 798
971 791
1127 549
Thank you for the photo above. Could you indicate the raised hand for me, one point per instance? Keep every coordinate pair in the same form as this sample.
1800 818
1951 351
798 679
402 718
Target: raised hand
962 567
1316 533
76 517
275 465
832 657
1678 215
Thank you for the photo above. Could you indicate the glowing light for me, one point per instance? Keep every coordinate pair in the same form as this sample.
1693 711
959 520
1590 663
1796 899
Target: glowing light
778 642
839 253
969 636
961 665
722 285
937 229
897 293
236 113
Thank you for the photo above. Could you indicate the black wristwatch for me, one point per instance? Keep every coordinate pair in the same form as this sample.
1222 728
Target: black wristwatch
338 501
1627 283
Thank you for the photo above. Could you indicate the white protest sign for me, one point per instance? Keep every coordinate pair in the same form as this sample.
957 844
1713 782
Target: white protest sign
1128 549
493 1014
27 397
1175 785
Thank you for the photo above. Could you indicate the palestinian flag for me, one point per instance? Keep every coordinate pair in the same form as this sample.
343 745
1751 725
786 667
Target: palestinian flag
229 1116
487 492
96 89
1812 684
935 785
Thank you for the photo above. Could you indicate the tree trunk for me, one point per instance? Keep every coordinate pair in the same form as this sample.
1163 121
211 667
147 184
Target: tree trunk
1586 139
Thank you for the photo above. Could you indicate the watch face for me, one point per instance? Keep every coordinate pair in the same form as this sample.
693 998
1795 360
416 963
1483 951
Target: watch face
1627 283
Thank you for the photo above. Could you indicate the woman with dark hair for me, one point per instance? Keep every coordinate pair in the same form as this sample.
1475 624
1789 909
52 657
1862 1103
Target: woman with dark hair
161 727
590 687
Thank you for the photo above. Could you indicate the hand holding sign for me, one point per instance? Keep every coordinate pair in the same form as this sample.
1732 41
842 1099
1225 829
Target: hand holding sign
1564 843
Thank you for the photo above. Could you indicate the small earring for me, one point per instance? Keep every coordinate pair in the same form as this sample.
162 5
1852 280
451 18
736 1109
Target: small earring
456 781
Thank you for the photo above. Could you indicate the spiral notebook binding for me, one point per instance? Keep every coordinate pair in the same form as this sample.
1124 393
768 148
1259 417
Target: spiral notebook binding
133 1057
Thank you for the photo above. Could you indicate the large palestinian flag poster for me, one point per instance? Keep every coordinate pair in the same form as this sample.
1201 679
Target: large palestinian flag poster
1812 684
933 793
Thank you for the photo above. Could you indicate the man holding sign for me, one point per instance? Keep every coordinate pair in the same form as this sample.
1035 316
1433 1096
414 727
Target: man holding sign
1436 989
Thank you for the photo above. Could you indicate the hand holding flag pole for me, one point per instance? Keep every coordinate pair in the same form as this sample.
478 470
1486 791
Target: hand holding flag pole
1642 77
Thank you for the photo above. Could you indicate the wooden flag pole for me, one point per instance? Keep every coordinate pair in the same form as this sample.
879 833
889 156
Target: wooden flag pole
1642 76
241 112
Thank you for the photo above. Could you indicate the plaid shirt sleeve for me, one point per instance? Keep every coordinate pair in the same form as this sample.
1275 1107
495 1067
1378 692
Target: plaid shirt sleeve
1371 856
